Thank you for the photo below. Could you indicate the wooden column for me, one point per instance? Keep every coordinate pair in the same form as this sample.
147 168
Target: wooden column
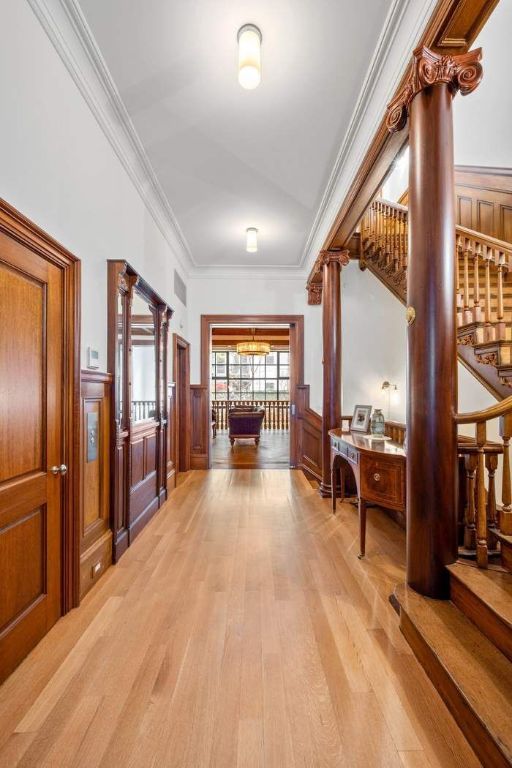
431 314
332 262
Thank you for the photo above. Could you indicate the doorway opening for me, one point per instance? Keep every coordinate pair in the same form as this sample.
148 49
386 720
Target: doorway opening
252 391
181 368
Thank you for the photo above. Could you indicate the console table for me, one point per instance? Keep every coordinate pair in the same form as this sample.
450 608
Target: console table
379 471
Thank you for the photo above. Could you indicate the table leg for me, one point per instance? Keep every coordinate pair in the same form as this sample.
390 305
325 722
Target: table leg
333 487
362 527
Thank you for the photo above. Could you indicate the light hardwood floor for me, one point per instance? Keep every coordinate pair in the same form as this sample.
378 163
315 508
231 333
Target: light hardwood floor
273 452
239 630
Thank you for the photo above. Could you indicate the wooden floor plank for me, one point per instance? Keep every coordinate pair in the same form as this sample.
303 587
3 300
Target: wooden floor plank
239 630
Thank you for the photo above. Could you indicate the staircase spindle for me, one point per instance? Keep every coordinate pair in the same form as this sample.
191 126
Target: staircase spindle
466 314
500 324
491 464
482 556
476 281
487 298
505 516
470 464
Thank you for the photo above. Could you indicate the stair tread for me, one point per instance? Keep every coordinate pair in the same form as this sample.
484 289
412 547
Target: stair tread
482 674
492 587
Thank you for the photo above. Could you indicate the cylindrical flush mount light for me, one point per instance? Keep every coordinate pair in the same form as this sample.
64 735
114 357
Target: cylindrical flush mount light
252 240
249 56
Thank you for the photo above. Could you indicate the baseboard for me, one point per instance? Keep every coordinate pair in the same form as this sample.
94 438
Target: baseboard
95 561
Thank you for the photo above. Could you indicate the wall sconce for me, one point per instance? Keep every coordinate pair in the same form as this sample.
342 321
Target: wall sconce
392 393
249 56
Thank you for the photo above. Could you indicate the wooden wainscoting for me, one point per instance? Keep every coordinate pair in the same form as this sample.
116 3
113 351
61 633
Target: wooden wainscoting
171 440
199 426
309 435
484 200
144 493
95 531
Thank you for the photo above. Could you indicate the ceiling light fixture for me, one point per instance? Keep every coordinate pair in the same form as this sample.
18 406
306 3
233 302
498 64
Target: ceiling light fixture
253 347
251 245
249 56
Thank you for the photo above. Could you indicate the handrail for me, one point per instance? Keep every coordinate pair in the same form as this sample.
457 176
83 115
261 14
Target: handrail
493 242
397 206
500 245
498 409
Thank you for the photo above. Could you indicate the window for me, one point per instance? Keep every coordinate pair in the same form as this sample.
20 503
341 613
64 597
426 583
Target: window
236 377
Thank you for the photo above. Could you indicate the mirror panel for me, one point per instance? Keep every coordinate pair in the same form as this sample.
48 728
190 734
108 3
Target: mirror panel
144 357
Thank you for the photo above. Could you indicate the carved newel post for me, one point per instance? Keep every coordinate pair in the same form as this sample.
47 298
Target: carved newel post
431 340
331 263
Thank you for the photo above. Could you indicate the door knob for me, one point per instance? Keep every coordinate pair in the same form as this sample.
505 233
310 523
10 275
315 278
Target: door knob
376 477
60 470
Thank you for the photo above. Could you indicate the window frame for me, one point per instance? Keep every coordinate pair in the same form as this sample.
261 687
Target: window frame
233 359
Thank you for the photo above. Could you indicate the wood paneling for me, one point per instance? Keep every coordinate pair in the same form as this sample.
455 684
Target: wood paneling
199 427
309 436
39 283
484 200
171 440
95 532
22 381
139 448
182 417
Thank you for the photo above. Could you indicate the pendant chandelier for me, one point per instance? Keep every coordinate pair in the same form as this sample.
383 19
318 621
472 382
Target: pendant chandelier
253 347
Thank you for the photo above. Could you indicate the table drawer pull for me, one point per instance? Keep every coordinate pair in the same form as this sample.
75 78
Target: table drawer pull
376 477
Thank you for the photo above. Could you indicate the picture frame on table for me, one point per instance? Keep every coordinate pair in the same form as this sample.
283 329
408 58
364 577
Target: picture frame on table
361 418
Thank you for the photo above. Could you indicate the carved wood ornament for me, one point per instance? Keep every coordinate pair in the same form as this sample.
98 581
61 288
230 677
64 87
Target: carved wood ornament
462 73
314 289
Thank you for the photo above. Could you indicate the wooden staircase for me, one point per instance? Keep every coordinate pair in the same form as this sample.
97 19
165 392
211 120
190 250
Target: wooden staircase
465 643
484 289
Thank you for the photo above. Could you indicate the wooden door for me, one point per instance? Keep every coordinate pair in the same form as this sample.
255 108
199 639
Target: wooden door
181 361
31 442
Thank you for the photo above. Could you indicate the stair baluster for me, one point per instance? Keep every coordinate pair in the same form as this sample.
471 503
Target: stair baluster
482 557
466 317
475 249
489 329
470 463
505 515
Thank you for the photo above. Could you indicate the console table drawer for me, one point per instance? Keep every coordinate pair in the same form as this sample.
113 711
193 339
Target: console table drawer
383 481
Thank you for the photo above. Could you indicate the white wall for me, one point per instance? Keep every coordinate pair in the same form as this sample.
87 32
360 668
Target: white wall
210 296
374 343
482 119
60 171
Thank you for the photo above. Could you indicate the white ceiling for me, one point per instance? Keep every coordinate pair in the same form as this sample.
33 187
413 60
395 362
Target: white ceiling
227 158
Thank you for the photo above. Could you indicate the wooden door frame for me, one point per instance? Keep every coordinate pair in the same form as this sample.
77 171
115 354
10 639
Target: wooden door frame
181 409
296 323
22 230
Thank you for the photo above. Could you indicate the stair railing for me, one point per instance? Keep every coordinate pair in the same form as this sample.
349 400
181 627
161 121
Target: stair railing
483 265
485 520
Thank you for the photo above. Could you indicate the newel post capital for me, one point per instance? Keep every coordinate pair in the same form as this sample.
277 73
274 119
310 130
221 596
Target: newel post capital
341 257
461 72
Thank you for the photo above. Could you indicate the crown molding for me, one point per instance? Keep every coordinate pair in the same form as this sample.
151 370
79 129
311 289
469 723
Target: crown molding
383 74
68 31
71 36
260 272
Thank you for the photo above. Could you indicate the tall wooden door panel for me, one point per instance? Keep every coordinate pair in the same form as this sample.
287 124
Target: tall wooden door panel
31 353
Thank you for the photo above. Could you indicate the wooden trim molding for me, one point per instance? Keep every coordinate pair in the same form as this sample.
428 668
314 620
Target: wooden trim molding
461 73
95 531
181 424
24 231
